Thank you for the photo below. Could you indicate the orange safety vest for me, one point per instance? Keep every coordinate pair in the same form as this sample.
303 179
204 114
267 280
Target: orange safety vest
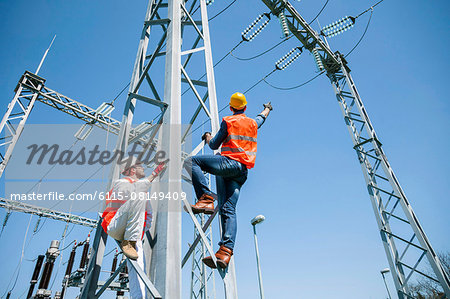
112 205
240 144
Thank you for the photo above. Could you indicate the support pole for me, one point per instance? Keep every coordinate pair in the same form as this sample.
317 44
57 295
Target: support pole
94 267
68 270
261 290
166 259
35 276
84 254
51 255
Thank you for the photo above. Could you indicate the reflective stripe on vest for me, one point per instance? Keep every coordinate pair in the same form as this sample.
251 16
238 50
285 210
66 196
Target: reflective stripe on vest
240 144
239 137
237 150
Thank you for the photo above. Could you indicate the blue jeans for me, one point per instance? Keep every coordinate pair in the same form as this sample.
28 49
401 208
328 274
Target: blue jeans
230 176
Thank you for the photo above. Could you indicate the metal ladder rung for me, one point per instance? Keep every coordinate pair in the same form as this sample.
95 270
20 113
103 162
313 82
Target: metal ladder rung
148 284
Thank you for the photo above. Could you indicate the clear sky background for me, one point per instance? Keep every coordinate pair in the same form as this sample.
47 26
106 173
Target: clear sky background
320 238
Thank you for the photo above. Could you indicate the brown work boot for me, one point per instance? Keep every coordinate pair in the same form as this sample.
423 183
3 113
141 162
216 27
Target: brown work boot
205 204
223 257
209 262
129 249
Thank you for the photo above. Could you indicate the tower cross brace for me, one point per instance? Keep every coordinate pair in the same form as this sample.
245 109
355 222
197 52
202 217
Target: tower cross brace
403 238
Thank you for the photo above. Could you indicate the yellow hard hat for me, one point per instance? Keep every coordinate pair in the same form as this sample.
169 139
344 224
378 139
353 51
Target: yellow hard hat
238 101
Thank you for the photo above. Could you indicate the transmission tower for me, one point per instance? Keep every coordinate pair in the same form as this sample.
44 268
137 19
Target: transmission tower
13 122
202 277
32 88
166 270
404 240
166 23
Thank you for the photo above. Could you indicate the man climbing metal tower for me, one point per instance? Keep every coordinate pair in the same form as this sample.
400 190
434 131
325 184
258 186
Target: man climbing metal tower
237 135
128 215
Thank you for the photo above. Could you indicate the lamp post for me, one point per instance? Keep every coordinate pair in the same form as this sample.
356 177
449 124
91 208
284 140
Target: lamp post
254 222
384 271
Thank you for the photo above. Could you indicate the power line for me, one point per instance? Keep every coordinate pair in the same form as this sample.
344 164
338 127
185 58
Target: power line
29 241
320 12
126 86
370 8
73 226
280 65
210 19
217 63
49 170
118 95
109 252
345 23
216 15
254 85
68 245
261 54
225 56
247 38
224 107
76 189
365 31
294 87
19 265
63 239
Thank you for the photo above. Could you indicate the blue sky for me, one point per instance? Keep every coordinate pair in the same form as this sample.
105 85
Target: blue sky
320 238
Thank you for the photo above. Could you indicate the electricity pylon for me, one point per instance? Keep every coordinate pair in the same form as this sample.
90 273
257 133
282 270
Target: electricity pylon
403 238
166 23
31 88
19 109
202 277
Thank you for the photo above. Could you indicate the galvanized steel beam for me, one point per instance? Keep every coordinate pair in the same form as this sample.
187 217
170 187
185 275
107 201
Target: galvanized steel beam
381 181
18 206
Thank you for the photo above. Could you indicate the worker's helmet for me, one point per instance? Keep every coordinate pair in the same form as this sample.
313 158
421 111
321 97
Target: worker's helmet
127 162
238 101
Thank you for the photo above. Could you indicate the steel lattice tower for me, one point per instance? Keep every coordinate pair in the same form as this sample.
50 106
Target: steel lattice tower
403 238
406 246
144 87
202 277
166 24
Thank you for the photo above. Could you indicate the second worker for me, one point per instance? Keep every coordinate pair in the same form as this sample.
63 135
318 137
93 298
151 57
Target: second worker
237 135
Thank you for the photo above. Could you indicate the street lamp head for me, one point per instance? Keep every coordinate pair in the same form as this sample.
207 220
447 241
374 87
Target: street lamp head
257 219
384 271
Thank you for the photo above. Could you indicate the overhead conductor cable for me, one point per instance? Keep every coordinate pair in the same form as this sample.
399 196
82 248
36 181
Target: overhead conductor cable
281 64
344 23
247 35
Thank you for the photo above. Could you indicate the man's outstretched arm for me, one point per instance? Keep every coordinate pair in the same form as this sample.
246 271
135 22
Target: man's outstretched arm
156 172
261 118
